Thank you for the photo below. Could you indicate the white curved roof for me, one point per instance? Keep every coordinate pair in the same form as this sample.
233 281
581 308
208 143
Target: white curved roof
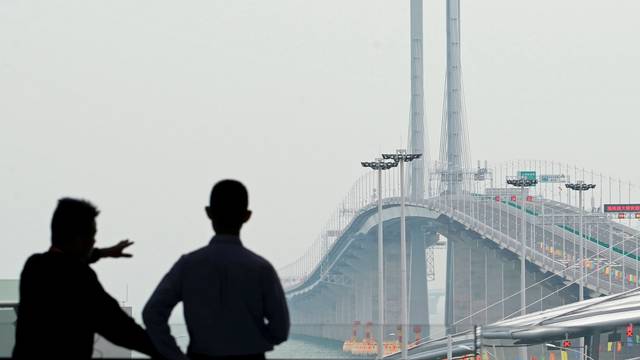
594 315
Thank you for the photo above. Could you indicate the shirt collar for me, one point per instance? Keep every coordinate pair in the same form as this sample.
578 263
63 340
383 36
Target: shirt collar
55 250
225 239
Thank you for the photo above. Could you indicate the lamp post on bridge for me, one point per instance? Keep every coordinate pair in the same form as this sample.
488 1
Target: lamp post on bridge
401 157
523 183
580 186
380 165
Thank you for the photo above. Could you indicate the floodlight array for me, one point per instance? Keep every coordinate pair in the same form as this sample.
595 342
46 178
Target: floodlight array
401 157
580 186
522 182
379 165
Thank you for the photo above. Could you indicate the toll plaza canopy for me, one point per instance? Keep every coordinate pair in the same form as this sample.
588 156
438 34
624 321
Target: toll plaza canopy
586 318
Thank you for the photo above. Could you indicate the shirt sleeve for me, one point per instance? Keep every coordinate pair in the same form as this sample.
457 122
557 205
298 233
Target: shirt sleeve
95 255
275 308
158 309
114 324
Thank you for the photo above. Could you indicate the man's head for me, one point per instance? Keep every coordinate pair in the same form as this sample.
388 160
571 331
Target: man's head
228 207
73 227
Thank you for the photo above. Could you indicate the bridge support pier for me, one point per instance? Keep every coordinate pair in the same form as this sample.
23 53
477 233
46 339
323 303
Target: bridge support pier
448 307
483 282
419 299
364 291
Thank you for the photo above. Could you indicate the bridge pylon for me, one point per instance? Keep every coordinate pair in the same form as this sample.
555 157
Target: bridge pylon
416 128
454 139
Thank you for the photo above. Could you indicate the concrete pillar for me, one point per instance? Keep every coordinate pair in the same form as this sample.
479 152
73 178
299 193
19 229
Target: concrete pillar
593 343
494 287
511 278
391 279
449 293
477 282
419 300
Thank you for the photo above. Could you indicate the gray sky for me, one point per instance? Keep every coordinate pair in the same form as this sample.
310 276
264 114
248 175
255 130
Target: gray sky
140 106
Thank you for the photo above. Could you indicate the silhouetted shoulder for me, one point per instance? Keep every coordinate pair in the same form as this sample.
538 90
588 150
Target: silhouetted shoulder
253 258
258 260
33 260
228 255
47 264
196 254
36 259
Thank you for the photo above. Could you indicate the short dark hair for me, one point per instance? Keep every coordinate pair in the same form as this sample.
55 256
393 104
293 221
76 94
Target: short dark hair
72 217
229 201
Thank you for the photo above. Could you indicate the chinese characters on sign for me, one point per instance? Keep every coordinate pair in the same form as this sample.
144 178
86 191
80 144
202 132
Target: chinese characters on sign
622 208
623 211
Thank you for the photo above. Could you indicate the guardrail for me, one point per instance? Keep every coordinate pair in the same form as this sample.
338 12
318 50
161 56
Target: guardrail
460 209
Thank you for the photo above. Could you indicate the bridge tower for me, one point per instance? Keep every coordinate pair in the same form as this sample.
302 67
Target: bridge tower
418 309
454 146
416 131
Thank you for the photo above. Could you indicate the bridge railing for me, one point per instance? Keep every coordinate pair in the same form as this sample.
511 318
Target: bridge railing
552 176
552 240
362 196
618 265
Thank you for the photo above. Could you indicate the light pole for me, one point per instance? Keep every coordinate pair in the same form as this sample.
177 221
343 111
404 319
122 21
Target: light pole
523 183
401 157
380 165
580 186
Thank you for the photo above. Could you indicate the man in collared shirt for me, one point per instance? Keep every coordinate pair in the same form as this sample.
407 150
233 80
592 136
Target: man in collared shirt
234 305
62 304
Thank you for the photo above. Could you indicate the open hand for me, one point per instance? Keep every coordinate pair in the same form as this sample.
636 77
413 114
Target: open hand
117 250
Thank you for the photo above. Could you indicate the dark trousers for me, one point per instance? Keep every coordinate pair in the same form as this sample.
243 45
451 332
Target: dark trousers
193 356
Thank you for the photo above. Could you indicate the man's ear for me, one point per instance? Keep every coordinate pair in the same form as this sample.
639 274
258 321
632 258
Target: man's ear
247 216
208 211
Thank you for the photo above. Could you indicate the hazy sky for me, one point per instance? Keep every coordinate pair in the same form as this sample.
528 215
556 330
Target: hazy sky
140 106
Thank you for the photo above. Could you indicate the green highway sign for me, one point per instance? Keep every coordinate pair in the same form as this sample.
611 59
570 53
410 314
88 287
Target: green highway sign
527 174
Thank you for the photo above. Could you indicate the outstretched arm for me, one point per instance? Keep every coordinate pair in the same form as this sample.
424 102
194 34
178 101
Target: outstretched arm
158 309
114 251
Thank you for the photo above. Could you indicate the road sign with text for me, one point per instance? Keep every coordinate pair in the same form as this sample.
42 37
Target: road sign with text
529 175
553 178
622 208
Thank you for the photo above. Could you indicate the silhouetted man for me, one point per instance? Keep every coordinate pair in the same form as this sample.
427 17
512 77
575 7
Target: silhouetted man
62 304
234 305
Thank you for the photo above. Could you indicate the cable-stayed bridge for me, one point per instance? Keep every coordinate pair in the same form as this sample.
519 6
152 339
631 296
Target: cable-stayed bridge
488 225
335 281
